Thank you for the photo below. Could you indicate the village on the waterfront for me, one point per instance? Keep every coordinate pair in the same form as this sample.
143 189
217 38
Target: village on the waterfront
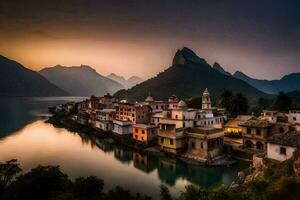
205 136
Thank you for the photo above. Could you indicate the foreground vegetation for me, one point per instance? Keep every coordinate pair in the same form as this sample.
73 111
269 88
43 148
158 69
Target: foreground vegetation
277 181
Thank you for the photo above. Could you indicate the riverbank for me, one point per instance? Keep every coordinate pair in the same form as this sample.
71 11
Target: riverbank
65 121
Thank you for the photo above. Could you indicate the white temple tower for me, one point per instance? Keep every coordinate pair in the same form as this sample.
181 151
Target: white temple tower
206 102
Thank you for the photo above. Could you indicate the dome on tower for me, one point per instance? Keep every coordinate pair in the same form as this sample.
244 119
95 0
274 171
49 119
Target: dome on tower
182 104
206 92
149 99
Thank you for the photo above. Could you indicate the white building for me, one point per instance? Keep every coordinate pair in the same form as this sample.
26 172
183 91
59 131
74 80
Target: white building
122 127
206 101
159 106
282 146
294 117
184 117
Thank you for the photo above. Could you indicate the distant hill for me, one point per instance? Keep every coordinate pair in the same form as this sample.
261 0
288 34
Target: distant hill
288 83
80 80
295 95
132 81
188 76
18 81
219 68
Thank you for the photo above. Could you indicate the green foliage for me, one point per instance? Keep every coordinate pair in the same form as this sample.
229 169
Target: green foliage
165 193
235 104
90 187
194 102
49 183
282 102
8 171
40 183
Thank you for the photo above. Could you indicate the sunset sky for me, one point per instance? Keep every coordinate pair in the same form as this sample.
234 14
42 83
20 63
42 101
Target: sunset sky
140 37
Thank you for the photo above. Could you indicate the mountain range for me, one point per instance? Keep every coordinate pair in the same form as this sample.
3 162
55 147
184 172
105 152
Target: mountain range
130 82
17 80
188 76
80 80
288 83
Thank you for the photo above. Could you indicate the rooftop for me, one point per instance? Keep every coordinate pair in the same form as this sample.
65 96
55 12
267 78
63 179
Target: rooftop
256 123
205 130
291 139
145 126
238 120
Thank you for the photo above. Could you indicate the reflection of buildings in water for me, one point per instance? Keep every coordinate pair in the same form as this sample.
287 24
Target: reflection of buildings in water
125 156
204 176
104 145
143 162
168 170
87 140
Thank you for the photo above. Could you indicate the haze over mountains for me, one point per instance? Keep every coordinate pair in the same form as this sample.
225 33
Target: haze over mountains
288 83
132 81
80 80
188 76
16 80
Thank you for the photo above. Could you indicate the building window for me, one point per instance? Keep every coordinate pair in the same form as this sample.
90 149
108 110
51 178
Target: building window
156 107
136 130
143 131
176 116
143 138
161 140
201 145
281 130
258 132
294 118
183 125
171 141
193 145
132 115
136 137
248 130
282 150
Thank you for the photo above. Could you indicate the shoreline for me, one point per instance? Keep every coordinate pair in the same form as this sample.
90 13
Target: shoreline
64 121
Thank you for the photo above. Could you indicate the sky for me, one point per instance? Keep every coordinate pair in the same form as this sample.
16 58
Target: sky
140 37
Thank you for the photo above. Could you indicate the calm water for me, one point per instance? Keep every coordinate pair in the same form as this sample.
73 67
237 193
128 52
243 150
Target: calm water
26 137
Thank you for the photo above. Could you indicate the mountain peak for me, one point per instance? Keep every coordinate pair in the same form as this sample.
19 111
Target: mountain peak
186 55
239 74
220 69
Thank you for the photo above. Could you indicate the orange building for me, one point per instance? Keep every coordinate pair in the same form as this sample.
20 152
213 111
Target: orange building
144 133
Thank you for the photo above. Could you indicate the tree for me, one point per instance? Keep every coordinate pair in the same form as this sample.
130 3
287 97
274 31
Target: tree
165 193
40 183
225 99
88 188
194 102
8 171
283 102
239 105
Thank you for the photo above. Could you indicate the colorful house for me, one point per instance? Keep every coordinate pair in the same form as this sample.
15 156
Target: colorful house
172 139
204 143
144 133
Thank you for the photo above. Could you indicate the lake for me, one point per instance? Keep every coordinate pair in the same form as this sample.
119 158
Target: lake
26 137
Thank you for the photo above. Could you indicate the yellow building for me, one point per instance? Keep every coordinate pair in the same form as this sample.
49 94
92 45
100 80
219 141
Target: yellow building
172 139
232 126
144 133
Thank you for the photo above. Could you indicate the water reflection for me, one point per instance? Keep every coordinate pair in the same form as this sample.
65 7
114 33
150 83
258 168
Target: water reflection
15 113
34 142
